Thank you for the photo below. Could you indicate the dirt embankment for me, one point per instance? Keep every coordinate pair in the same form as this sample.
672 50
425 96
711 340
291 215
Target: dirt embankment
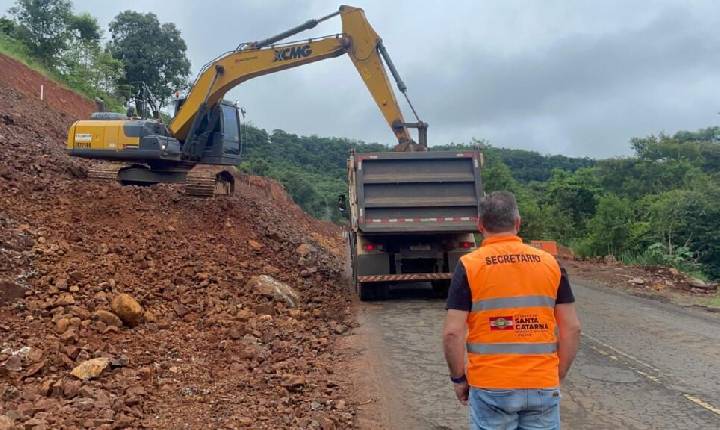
17 76
212 350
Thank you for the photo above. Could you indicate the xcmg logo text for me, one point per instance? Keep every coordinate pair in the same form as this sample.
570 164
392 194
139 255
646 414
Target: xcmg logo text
294 52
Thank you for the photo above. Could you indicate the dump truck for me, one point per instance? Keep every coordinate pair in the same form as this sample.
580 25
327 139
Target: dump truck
412 216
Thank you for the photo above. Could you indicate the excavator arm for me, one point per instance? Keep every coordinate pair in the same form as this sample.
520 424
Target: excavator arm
358 40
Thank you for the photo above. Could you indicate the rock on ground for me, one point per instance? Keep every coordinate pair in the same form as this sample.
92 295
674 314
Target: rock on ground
127 309
108 318
271 287
91 368
6 423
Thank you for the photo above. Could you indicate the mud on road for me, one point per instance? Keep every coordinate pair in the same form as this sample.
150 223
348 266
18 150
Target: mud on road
642 365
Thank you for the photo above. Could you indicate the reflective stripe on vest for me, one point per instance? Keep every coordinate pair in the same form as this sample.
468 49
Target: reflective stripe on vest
512 348
513 302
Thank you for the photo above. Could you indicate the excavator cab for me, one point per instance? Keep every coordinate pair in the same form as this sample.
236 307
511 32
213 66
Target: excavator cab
223 140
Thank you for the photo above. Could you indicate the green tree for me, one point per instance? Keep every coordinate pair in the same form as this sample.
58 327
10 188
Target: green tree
42 25
611 226
497 176
689 218
572 199
7 26
151 52
85 63
86 28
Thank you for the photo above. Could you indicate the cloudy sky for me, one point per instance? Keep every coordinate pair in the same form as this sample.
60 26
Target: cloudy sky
570 77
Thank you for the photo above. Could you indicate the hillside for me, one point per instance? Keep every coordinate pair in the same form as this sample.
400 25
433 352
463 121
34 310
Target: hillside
212 348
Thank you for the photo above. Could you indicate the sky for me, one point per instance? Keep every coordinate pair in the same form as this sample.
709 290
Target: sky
579 78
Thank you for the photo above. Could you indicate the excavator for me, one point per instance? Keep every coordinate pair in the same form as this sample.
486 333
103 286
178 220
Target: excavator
201 144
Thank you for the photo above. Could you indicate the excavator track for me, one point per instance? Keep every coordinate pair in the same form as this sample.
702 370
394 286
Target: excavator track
209 181
104 171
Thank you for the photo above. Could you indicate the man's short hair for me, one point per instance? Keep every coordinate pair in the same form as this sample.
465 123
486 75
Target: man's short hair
498 211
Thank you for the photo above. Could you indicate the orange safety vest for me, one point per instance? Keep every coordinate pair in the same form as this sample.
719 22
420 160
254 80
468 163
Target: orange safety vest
512 332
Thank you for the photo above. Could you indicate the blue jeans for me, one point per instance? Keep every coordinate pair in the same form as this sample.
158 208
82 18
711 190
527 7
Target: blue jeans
536 409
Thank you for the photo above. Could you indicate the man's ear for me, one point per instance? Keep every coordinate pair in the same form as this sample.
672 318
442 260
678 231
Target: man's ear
480 227
518 223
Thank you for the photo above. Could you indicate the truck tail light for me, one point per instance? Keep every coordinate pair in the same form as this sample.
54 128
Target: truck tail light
467 245
372 247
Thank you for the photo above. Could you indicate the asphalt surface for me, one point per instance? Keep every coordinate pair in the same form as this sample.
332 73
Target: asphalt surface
643 364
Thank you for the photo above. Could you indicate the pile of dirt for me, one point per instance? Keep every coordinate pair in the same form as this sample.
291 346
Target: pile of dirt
652 279
127 307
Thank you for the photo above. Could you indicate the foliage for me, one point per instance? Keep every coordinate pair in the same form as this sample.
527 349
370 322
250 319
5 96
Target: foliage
527 166
42 25
609 230
311 168
85 64
150 52
658 254
7 26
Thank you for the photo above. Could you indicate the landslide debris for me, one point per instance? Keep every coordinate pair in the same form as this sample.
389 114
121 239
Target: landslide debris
653 279
191 345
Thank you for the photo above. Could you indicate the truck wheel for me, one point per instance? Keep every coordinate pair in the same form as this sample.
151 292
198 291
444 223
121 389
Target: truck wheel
382 291
440 288
366 292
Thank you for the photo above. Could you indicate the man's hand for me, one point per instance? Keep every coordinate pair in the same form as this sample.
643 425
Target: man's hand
462 391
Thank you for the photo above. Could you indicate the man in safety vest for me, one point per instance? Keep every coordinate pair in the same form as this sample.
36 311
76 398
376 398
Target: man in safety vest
511 309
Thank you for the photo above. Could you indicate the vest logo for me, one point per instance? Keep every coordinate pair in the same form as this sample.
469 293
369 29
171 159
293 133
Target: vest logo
502 323
530 322
292 53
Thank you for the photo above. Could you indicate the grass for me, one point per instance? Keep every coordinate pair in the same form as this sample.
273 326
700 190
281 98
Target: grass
16 50
715 301
650 259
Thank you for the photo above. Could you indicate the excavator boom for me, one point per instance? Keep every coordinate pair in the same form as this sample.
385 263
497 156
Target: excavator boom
358 39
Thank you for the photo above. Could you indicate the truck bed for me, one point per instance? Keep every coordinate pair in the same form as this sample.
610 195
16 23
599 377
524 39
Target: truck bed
415 191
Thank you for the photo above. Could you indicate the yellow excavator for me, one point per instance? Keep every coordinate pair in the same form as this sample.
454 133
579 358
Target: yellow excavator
203 138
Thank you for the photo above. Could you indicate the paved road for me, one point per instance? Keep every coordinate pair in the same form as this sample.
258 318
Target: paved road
642 365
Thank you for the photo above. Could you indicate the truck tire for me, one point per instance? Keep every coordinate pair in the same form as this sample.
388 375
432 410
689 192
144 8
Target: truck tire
366 292
382 291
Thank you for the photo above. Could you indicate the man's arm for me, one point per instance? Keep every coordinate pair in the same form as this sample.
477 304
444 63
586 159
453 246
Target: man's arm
459 304
454 346
454 341
569 337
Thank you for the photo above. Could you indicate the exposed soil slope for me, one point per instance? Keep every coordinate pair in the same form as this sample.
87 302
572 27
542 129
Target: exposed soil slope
211 351
17 76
